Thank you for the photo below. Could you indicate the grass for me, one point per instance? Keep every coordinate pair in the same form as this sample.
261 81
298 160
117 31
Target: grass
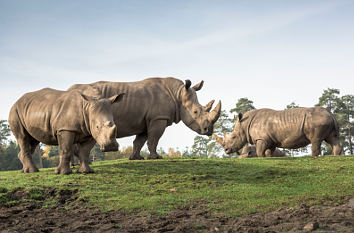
227 187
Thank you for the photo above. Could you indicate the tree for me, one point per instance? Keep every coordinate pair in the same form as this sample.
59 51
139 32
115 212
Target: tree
4 132
292 105
8 157
199 148
243 105
347 111
330 99
343 109
223 124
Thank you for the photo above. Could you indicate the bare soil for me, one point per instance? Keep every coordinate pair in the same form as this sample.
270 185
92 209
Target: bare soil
32 217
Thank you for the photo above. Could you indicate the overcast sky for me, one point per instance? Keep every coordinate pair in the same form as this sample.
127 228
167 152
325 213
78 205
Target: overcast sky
273 52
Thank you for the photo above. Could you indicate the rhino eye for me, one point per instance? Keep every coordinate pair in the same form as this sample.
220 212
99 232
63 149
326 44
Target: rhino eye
233 137
195 112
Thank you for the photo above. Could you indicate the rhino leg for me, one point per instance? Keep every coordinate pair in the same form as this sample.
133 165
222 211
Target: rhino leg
65 141
84 156
316 148
27 148
138 143
334 142
155 131
261 147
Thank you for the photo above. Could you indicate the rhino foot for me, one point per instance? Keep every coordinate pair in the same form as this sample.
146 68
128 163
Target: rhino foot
154 157
136 157
85 170
29 169
63 171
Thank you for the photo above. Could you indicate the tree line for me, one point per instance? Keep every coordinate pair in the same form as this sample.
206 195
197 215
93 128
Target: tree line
203 147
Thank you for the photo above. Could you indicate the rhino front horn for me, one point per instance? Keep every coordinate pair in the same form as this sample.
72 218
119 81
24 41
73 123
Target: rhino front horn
214 115
218 139
208 107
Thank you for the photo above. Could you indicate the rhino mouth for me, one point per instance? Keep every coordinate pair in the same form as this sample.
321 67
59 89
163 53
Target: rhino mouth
110 147
229 150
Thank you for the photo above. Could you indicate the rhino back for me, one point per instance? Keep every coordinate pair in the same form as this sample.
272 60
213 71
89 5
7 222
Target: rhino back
45 112
144 101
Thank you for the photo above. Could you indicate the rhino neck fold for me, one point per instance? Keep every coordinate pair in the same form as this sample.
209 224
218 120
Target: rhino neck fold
175 96
87 117
246 129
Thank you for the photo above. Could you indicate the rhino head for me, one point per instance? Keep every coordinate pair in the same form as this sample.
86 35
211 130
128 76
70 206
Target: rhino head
234 141
197 117
100 116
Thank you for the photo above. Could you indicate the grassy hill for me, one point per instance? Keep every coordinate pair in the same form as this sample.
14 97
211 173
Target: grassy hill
227 187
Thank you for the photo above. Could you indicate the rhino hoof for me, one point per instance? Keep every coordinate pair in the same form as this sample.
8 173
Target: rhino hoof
29 169
62 171
136 157
154 157
85 171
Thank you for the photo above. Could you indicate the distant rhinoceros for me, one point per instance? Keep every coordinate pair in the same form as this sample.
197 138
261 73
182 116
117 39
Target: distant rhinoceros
62 118
291 128
250 152
152 105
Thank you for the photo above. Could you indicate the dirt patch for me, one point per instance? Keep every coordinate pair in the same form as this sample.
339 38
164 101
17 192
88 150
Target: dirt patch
30 217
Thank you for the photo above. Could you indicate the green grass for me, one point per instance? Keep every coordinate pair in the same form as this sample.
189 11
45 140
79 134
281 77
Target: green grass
227 187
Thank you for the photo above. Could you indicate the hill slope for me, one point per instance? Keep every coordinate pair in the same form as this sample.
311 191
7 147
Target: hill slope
226 187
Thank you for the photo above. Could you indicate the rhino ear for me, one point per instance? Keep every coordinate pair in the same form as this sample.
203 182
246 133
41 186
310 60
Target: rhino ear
116 98
240 115
198 86
188 84
87 98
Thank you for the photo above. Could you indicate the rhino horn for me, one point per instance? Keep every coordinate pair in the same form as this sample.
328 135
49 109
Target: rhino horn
208 106
218 139
214 115
224 133
198 86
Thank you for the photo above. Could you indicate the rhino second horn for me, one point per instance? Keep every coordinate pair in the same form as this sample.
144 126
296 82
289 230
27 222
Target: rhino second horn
208 107
214 115
218 139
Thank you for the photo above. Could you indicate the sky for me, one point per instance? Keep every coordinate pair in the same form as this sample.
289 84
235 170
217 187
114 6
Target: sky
273 52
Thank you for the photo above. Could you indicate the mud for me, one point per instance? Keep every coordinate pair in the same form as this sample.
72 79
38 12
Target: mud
33 217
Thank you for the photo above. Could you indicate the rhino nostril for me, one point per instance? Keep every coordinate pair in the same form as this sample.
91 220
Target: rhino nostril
205 129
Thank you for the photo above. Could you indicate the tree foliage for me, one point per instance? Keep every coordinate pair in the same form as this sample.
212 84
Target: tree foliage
4 132
343 109
243 105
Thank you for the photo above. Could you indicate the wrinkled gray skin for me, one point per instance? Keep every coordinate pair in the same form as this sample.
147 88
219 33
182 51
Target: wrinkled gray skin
250 152
291 128
152 105
62 118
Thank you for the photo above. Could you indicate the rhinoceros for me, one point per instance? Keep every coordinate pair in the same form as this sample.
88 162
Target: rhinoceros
152 105
291 128
62 118
250 152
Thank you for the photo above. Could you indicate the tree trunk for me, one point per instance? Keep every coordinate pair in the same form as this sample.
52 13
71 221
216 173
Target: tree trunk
350 136
39 156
